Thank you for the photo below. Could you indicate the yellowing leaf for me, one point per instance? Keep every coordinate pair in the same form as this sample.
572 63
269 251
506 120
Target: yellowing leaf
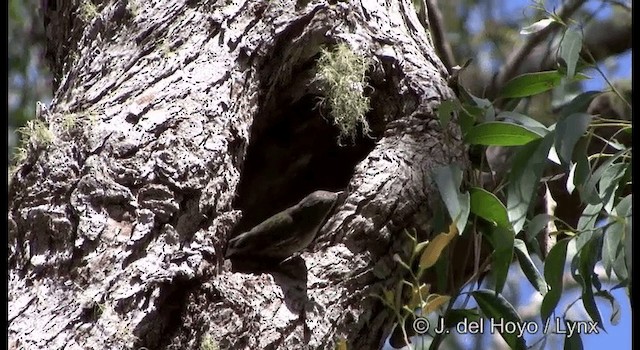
341 344
435 301
432 252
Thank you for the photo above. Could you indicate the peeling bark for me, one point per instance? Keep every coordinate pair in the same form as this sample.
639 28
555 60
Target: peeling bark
176 125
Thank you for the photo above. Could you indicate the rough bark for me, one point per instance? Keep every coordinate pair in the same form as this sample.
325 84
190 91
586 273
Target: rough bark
177 123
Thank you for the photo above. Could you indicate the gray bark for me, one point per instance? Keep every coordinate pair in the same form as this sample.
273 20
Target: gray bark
177 123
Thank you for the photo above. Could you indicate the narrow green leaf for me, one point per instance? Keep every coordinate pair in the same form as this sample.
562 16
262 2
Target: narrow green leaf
500 134
579 104
502 241
553 271
627 250
582 239
528 165
612 246
525 121
609 184
616 310
536 225
572 341
581 169
568 132
448 179
585 183
589 217
624 207
589 303
570 48
497 308
529 268
624 213
487 206
588 258
587 191
530 84
621 267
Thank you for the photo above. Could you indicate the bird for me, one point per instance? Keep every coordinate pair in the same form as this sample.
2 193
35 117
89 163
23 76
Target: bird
287 232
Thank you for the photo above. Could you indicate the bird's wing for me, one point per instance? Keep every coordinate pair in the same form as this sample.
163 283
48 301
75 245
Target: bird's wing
274 229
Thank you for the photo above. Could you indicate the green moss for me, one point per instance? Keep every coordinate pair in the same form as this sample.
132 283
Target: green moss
87 11
165 48
36 133
69 121
342 75
208 343
133 7
18 157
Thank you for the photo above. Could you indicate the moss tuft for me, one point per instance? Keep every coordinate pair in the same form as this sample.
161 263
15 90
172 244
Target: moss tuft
342 75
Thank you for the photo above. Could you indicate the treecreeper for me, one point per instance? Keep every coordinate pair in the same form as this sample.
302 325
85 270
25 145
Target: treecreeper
287 232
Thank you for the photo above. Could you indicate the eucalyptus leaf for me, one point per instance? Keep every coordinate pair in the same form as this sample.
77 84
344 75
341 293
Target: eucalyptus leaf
502 241
579 104
487 206
589 255
568 132
616 310
530 84
497 308
609 184
525 121
536 225
589 217
448 180
587 190
553 272
612 245
570 48
500 134
527 168
529 268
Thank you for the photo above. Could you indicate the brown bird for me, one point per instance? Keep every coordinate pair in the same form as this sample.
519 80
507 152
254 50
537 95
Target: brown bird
288 231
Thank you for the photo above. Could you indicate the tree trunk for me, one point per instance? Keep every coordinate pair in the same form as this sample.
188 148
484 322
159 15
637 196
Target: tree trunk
177 124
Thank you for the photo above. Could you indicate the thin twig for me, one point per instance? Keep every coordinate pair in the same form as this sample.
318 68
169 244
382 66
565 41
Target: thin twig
442 45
